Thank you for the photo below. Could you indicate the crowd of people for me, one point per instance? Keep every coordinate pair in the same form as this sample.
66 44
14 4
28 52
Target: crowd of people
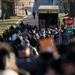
20 52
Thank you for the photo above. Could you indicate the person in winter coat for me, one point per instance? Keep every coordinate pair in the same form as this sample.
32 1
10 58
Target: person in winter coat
8 62
33 50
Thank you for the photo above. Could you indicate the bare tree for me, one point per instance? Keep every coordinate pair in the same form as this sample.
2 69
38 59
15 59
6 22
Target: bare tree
64 2
72 8
11 7
8 8
4 8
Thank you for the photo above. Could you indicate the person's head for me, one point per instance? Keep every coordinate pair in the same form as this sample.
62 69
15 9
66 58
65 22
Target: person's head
69 65
34 31
7 57
46 57
27 43
23 52
54 68
43 30
17 41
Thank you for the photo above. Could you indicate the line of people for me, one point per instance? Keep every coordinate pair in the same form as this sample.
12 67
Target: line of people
22 55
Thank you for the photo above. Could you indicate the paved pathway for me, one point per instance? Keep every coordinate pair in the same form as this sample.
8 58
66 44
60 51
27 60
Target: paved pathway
29 20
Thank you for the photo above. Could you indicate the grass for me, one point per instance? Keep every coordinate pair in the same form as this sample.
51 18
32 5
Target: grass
6 24
3 28
14 19
10 21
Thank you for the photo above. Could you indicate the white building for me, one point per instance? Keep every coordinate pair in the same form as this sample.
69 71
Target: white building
25 4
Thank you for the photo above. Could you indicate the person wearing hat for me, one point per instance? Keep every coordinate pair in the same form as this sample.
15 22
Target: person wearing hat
24 59
23 52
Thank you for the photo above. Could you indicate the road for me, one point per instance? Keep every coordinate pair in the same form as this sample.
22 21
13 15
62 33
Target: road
29 20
